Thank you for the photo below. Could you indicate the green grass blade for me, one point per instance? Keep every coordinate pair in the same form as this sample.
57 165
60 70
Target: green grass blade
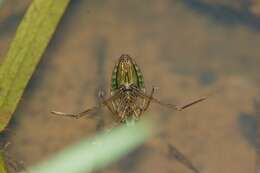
96 153
31 39
2 164
1 1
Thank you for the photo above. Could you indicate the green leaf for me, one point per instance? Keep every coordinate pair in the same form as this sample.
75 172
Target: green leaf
31 39
2 164
92 154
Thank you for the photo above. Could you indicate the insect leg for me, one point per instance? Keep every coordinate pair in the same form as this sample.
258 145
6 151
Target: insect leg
107 101
75 115
176 154
122 114
175 107
181 107
104 102
122 103
191 103
145 106
149 100
134 108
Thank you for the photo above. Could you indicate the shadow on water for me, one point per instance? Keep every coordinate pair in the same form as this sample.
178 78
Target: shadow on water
207 77
247 123
225 14
101 54
10 23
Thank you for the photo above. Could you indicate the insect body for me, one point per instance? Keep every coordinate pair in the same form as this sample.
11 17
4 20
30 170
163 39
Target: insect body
128 98
127 81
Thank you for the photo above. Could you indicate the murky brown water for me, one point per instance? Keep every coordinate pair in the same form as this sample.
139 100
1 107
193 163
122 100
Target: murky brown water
187 48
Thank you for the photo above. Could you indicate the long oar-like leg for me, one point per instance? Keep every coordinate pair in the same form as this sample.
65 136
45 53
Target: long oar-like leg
181 107
151 98
175 107
191 103
104 102
176 154
75 115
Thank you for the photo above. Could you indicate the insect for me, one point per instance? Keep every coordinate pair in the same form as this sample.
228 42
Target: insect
128 100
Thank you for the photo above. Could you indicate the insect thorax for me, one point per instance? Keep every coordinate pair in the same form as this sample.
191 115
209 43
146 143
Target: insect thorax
128 104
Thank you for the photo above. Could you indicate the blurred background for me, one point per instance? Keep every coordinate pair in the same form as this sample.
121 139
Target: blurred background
186 48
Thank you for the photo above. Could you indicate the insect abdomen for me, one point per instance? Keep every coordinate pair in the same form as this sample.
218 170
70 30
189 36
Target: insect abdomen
126 72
